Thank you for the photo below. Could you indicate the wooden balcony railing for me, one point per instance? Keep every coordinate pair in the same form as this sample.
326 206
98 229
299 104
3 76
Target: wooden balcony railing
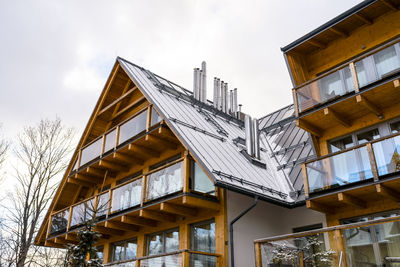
369 161
366 243
349 77
117 136
180 258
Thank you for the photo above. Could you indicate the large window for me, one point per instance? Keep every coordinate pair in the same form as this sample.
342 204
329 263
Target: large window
200 181
127 196
164 181
163 242
124 250
203 240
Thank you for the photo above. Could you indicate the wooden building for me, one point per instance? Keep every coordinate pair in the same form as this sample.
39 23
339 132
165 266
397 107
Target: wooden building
346 83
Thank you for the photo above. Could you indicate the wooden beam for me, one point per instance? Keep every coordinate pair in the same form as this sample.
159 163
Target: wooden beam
163 142
144 151
121 226
80 182
88 178
310 204
177 209
108 231
153 215
396 83
317 43
339 32
337 117
128 107
350 200
363 19
95 172
113 166
370 106
119 99
71 237
387 192
49 243
127 159
62 241
312 129
167 135
138 221
200 203
389 5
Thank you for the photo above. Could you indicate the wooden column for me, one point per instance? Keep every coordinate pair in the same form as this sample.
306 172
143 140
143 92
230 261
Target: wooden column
354 77
371 156
186 172
106 253
221 231
257 252
305 180
184 243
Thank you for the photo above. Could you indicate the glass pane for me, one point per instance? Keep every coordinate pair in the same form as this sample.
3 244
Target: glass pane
368 136
110 141
102 205
118 252
395 127
198 260
171 241
59 221
164 182
331 86
387 155
366 72
201 181
125 264
388 237
203 237
155 244
92 151
164 261
386 61
131 249
133 127
341 144
78 214
155 118
99 252
338 170
359 246
127 196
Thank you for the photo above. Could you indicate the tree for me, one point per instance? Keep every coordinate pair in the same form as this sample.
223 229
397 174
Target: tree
41 152
3 149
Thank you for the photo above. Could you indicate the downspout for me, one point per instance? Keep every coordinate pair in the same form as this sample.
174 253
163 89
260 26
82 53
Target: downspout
231 228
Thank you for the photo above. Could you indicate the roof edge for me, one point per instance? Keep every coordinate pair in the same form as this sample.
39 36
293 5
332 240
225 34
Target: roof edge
328 25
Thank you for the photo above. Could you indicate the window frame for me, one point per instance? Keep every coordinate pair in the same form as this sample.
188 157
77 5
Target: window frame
163 234
193 225
124 242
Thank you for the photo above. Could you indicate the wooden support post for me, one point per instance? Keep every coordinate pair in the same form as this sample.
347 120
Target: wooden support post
148 121
318 207
305 180
257 248
371 156
144 188
354 77
296 103
350 200
186 172
370 106
337 117
69 218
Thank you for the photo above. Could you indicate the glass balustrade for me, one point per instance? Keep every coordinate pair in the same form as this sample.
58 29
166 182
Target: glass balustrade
59 221
82 212
91 152
110 140
387 155
339 170
155 118
126 196
102 204
123 264
133 127
174 260
164 181
197 260
325 89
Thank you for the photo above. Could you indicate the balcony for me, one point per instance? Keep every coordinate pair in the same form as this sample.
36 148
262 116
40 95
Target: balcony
173 259
365 243
159 195
338 87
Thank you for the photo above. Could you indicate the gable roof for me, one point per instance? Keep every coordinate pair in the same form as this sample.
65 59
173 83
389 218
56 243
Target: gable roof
214 139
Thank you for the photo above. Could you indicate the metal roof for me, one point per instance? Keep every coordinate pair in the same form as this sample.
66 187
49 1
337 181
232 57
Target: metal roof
212 138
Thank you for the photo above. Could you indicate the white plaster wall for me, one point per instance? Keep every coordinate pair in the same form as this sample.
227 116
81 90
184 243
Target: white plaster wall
265 220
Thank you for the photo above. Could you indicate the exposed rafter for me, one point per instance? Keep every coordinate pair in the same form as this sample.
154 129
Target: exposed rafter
370 106
389 5
388 192
178 209
314 130
138 221
160 217
338 32
337 117
317 44
118 100
350 200
363 18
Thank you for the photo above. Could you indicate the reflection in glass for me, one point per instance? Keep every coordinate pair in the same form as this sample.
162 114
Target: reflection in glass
132 127
110 141
92 151
199 260
203 237
124 250
164 181
164 242
341 144
387 155
59 221
102 205
386 61
201 182
126 196
395 127
163 261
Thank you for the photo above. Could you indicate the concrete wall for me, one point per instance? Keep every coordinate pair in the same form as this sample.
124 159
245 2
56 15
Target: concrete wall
265 220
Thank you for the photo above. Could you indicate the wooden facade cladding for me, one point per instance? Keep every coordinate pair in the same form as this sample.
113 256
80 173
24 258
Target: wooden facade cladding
128 144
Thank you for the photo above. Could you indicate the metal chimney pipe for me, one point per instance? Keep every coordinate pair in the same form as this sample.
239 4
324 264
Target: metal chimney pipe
249 135
200 84
223 97
195 82
256 139
226 97
203 92
215 96
230 102
219 89
234 107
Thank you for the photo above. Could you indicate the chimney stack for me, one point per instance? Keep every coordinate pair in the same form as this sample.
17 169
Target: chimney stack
215 95
203 91
234 101
196 82
252 137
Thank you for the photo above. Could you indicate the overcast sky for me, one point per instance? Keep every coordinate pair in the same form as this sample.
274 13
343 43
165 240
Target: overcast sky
57 55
